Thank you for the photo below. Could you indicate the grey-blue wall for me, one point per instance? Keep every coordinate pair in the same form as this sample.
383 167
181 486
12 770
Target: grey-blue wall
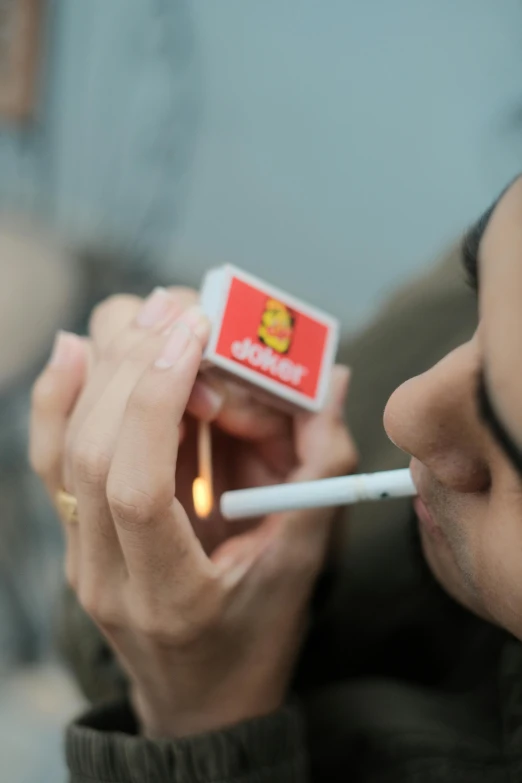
334 147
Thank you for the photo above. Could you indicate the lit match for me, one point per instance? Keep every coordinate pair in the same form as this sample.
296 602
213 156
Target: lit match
346 490
202 493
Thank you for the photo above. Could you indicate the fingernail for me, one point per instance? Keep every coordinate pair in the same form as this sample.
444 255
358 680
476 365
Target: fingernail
63 348
175 346
196 320
154 308
206 397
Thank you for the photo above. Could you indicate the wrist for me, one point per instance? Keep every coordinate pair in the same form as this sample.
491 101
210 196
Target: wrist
169 720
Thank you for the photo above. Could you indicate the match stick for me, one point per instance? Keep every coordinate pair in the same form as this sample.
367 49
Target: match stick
205 452
246 503
202 490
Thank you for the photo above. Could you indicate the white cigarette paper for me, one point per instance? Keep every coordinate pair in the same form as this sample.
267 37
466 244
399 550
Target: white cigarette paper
247 503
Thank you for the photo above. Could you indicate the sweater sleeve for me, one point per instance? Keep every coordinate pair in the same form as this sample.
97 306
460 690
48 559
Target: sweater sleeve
103 745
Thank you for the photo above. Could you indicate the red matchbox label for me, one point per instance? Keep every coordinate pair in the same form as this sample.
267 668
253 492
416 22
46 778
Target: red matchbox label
272 339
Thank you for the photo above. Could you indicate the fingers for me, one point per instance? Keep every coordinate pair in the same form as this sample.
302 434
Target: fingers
91 450
112 315
154 532
54 395
212 399
114 336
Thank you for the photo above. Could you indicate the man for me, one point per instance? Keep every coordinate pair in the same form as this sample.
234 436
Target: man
413 667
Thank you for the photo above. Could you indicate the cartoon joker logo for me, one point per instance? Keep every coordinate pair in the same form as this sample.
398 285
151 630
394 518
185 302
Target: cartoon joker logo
276 327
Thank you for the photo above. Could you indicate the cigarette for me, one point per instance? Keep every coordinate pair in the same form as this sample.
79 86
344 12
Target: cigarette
247 503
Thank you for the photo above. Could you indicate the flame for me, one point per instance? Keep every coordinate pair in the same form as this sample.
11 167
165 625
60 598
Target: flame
202 496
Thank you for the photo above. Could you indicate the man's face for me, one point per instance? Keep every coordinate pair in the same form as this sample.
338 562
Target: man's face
462 423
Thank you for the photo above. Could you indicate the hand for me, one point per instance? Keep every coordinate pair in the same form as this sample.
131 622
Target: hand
253 440
229 404
207 639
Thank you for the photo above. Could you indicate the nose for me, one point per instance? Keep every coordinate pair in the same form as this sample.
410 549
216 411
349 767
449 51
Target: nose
434 418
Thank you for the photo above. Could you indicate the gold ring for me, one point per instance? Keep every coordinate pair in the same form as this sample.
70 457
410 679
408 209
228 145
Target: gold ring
67 506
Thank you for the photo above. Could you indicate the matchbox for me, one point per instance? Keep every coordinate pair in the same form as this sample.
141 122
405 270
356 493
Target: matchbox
268 339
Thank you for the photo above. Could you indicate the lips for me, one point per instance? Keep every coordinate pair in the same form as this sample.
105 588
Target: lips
420 506
425 518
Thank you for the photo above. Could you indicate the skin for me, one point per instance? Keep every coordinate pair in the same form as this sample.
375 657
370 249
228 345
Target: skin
501 314
190 607
193 619
471 495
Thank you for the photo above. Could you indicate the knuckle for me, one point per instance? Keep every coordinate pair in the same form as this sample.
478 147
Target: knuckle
184 622
175 631
189 631
95 601
90 463
130 505
155 628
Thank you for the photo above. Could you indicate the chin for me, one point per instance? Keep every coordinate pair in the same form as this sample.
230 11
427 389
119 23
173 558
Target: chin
441 564
453 577
448 544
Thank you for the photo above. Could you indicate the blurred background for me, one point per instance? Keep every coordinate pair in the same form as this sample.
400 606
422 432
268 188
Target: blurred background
333 148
